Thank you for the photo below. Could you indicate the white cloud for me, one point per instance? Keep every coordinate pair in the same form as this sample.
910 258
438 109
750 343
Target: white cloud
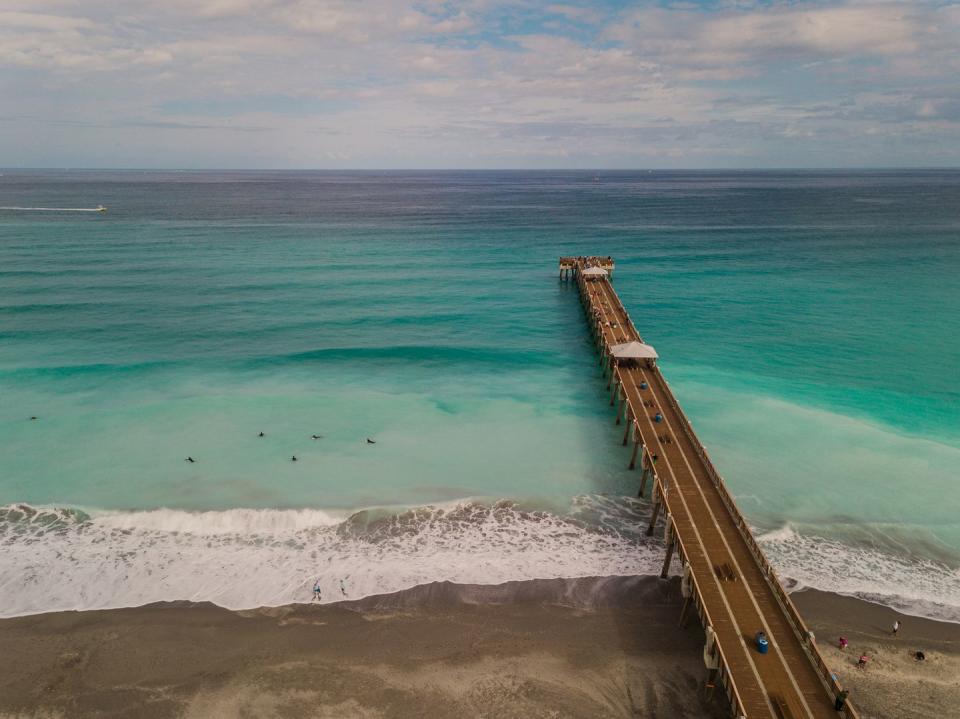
732 43
584 83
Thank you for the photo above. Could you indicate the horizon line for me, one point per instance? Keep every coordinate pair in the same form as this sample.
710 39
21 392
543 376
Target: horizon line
852 168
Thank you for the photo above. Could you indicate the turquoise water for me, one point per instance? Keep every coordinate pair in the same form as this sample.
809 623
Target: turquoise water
808 322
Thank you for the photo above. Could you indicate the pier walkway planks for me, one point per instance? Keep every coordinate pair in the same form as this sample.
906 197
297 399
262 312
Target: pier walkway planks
735 590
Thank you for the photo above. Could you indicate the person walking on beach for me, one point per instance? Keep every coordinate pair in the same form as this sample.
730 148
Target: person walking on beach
343 589
896 627
317 594
841 699
862 662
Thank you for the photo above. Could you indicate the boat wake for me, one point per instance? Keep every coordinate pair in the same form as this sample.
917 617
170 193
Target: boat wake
99 208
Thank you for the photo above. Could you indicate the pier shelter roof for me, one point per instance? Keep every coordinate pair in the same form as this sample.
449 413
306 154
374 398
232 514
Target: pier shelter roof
633 350
595 272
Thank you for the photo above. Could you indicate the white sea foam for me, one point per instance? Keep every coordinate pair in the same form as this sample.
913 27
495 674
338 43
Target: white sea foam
55 559
911 585
242 522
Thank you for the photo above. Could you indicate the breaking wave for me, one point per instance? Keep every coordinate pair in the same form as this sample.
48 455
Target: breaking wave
68 558
57 559
911 585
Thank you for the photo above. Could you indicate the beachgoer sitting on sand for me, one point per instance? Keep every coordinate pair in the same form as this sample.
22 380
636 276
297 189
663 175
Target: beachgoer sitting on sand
919 656
862 662
843 643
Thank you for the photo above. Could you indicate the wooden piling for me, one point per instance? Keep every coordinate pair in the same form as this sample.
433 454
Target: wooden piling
664 572
685 611
646 475
653 517
637 444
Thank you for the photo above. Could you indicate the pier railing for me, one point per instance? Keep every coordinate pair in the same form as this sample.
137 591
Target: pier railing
726 677
772 578
733 694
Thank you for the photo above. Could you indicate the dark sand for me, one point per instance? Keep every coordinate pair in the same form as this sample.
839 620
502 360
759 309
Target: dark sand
584 648
606 647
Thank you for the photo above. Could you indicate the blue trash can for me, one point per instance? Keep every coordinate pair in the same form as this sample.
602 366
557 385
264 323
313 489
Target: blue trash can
658 417
763 646
643 385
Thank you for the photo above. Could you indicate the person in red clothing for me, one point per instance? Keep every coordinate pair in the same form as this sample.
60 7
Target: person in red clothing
862 664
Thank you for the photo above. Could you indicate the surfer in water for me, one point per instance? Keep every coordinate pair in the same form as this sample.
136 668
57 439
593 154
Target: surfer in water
191 460
370 441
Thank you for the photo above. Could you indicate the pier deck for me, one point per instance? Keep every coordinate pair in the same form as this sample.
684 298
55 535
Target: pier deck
727 578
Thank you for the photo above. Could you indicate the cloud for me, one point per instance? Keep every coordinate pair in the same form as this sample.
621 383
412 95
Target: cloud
731 43
475 82
38 21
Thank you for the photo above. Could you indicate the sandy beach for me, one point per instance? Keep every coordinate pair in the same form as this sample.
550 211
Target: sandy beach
606 647
893 685
584 648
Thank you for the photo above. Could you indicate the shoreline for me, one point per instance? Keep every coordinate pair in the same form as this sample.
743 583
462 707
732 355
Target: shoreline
123 559
597 646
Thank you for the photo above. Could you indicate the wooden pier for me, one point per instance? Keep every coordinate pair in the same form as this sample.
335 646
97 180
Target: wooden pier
727 580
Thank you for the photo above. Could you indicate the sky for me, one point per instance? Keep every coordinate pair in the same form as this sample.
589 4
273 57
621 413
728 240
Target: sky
479 84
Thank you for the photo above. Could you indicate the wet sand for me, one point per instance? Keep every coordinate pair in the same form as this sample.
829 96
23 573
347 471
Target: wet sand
607 647
584 648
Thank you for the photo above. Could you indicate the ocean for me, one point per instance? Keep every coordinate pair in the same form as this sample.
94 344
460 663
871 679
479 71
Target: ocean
809 323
